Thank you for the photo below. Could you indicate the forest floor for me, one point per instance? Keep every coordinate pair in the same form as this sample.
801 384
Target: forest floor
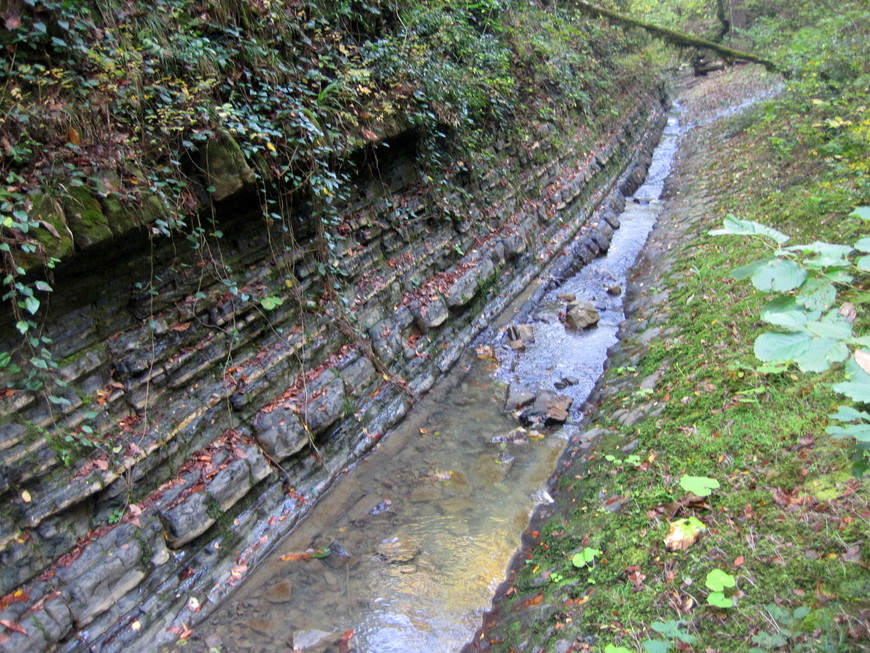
775 556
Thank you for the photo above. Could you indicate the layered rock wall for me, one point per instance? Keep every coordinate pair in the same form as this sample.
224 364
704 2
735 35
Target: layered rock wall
215 387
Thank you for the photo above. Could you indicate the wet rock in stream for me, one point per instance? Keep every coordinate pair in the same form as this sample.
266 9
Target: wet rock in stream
581 315
518 397
398 550
547 409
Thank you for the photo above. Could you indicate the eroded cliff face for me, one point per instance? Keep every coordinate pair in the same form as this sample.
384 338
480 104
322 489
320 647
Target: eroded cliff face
215 391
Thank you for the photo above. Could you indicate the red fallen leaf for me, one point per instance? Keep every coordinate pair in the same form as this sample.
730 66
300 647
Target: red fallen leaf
18 596
102 464
739 560
184 326
344 642
534 601
12 22
11 625
182 631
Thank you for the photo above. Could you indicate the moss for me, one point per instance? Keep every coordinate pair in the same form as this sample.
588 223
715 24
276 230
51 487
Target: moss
87 221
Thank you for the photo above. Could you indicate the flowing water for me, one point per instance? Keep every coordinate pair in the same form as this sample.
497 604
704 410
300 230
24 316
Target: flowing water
421 531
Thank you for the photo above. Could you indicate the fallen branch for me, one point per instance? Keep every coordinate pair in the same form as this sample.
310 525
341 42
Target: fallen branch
673 36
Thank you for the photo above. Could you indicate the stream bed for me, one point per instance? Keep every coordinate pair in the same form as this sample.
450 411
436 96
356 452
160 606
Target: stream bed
406 550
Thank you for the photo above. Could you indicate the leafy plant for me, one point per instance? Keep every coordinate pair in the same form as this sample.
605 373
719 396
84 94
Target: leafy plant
718 581
811 331
672 631
586 557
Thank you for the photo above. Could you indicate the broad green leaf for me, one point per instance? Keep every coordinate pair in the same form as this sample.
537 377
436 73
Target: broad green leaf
610 648
784 311
828 255
839 276
23 326
849 414
779 275
817 294
718 580
860 432
733 226
854 371
821 354
43 286
863 263
831 326
779 347
719 600
862 212
856 391
657 646
700 485
672 630
863 244
746 271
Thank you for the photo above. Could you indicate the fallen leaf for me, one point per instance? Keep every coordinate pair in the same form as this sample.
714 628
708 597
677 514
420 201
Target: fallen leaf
11 625
863 359
683 533
25 496
739 560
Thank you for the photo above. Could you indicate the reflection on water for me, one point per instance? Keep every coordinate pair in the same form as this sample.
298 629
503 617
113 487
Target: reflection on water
421 532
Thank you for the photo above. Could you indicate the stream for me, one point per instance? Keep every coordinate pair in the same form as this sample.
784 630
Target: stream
420 532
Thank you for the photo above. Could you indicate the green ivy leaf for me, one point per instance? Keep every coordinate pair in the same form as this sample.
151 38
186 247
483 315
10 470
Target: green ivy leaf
271 303
31 304
779 275
23 326
43 286
777 347
700 485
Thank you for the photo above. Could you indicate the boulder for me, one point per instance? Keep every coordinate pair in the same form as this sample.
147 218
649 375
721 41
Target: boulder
85 216
430 315
582 315
280 433
224 167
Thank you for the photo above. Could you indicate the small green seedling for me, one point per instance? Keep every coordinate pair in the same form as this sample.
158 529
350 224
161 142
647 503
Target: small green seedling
586 557
718 581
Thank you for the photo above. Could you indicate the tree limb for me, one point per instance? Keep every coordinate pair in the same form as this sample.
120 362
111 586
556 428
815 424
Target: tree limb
673 36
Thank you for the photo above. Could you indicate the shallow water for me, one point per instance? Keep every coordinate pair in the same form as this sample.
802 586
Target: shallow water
420 532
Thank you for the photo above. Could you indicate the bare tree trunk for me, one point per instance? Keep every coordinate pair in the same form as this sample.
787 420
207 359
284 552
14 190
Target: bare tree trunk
673 36
724 16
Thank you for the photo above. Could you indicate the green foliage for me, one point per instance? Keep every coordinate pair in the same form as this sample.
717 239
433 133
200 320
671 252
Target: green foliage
813 333
719 581
700 485
586 557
